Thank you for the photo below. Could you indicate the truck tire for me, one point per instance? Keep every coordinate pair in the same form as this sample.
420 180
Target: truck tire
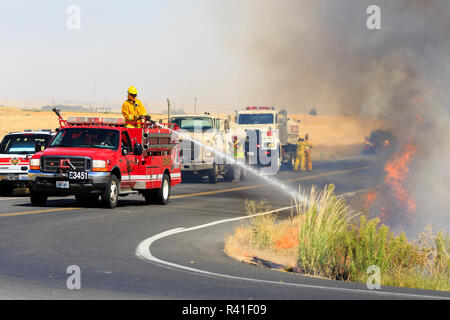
213 174
38 199
290 164
163 194
233 173
110 196
6 190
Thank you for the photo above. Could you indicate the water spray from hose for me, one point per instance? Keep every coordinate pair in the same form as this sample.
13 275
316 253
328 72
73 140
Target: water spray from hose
286 189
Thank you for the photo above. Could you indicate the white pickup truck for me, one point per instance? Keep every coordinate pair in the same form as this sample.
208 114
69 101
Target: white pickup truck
16 150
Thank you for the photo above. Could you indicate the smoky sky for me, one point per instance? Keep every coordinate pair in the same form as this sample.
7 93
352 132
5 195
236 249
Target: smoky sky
300 55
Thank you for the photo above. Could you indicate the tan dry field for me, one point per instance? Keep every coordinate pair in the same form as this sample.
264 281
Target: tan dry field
333 137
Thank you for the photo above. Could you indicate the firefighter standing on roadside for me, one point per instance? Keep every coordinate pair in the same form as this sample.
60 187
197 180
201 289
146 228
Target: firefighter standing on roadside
308 147
238 150
239 157
300 156
133 110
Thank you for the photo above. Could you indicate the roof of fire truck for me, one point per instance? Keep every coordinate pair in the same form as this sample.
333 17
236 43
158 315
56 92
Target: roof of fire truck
104 122
258 110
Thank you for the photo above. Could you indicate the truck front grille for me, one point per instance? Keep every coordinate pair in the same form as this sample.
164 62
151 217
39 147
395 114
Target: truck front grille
190 152
51 164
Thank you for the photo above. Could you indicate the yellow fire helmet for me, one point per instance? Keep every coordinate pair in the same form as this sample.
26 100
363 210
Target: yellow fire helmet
132 90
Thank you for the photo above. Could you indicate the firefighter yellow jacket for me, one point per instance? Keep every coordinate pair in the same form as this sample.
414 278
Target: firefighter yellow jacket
132 110
300 149
238 150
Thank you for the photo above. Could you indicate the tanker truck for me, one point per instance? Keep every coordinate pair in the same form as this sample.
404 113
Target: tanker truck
271 138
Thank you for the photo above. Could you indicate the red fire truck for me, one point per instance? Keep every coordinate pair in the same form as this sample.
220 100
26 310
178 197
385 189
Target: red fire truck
103 157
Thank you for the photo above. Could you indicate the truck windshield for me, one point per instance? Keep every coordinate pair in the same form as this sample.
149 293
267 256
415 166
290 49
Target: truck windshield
86 138
193 123
23 143
255 118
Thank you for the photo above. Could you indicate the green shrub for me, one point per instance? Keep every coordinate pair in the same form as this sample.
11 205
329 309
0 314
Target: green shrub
371 244
325 218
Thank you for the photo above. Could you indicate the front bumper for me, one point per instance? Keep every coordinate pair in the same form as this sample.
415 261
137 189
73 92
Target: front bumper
191 167
46 182
14 178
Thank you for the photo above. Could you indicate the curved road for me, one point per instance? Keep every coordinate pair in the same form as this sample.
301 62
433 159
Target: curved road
140 252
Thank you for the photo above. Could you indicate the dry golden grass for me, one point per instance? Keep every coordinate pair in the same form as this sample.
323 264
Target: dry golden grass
13 119
240 245
337 130
333 137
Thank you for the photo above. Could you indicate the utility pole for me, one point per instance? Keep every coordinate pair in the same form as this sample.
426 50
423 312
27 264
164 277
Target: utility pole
195 106
168 110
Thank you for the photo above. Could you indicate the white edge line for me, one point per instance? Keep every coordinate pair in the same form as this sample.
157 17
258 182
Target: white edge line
143 252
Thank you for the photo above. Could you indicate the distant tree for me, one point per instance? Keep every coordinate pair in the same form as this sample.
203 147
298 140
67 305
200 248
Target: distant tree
313 112
65 108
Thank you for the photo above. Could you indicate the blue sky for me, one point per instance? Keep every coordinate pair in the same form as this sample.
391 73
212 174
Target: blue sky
164 48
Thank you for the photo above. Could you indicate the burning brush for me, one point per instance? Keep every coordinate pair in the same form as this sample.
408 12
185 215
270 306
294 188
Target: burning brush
392 202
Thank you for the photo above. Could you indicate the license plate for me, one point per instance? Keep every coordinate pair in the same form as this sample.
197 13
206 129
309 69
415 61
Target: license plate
78 175
23 177
62 184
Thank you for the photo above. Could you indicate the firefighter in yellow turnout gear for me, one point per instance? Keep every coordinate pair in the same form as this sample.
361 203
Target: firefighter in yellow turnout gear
300 158
239 157
238 150
133 110
308 148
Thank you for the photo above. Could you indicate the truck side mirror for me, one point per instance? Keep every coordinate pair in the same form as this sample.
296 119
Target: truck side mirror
138 149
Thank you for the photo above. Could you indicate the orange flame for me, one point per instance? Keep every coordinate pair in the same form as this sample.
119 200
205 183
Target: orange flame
384 216
396 171
370 198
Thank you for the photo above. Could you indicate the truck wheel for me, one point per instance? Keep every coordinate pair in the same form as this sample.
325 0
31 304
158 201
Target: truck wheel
290 164
233 173
6 190
163 194
212 174
229 173
111 195
38 199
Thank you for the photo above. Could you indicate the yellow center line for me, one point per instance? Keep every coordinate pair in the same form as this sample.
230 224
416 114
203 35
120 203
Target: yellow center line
268 184
24 213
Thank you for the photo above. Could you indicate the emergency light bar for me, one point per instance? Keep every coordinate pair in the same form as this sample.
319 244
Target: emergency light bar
96 121
260 108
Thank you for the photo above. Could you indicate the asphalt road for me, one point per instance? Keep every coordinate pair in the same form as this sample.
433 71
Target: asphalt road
38 244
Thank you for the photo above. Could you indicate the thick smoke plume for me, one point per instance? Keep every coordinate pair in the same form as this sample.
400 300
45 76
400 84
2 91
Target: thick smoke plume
302 54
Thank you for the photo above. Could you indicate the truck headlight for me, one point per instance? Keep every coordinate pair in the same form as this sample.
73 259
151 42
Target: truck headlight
99 165
35 164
